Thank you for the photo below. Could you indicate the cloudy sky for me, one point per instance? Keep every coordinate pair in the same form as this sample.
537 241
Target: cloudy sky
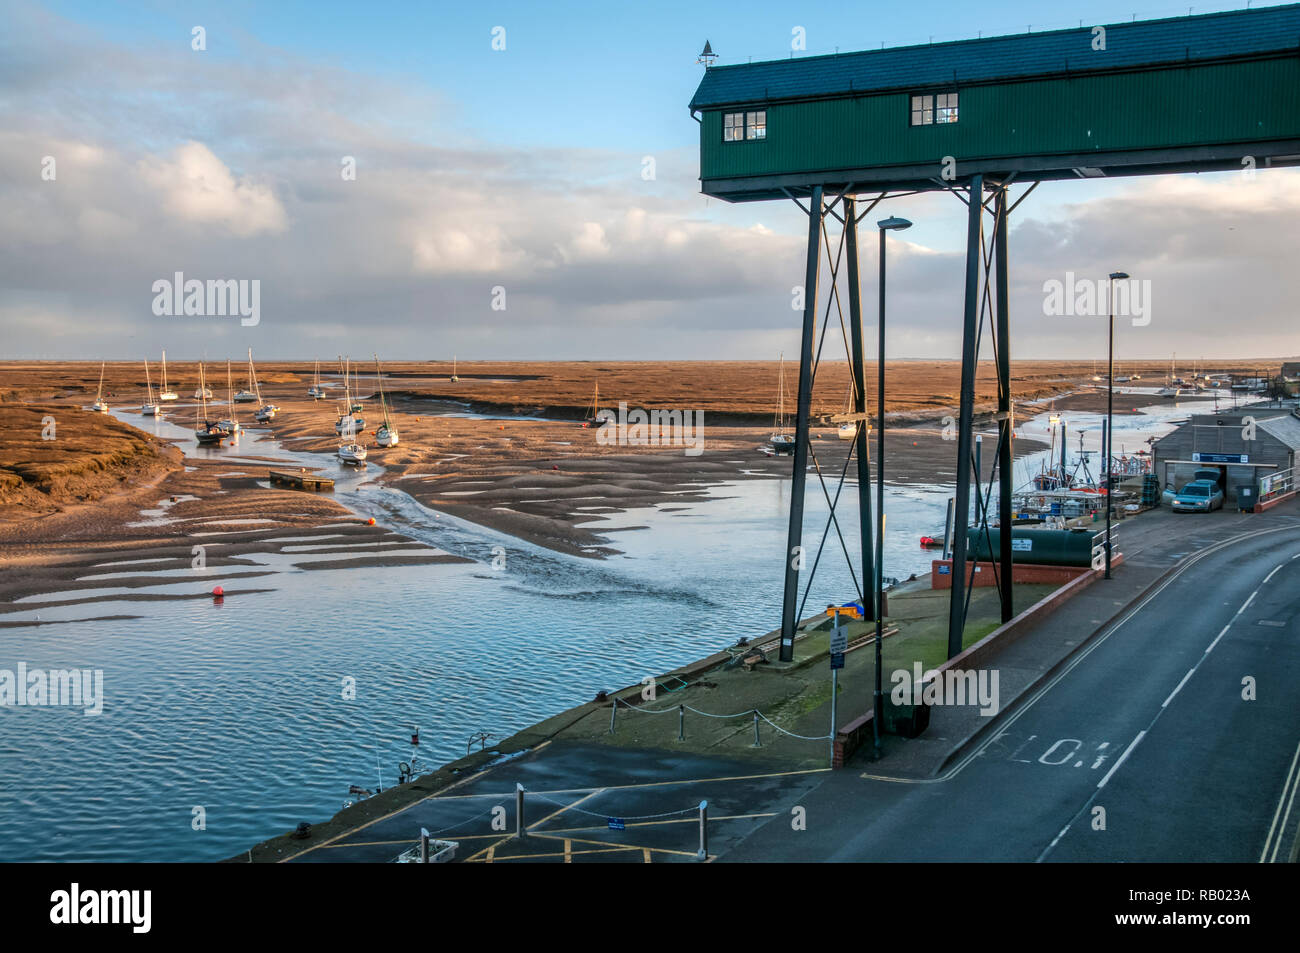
522 169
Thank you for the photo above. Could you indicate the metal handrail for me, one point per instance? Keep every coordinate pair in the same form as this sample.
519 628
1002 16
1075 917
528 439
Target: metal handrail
1276 484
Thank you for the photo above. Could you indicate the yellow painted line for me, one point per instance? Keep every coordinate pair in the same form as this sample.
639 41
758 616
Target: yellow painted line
617 787
645 854
491 853
568 850
362 827
601 843
541 821
408 841
676 820
502 860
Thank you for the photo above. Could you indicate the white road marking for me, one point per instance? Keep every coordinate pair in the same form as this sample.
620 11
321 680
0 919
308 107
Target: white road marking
1290 783
1115 767
1180 685
1217 637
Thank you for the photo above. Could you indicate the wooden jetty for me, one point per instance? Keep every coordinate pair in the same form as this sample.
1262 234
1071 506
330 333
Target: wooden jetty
300 480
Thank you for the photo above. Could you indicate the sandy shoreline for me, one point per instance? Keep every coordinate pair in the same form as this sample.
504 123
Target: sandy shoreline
549 482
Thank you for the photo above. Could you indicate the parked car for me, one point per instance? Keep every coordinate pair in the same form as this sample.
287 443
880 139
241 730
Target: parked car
1199 496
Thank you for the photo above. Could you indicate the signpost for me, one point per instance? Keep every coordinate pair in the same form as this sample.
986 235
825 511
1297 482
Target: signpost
839 645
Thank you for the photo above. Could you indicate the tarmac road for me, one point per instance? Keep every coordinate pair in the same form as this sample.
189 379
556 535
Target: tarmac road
1147 724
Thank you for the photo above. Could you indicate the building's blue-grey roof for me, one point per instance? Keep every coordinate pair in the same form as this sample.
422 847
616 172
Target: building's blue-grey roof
1128 45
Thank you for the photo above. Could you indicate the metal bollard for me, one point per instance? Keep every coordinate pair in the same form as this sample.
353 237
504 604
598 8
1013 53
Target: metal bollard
703 853
757 743
520 831
613 710
424 845
681 722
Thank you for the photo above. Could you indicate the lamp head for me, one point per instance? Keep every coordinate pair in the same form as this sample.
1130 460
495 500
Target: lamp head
894 222
1118 276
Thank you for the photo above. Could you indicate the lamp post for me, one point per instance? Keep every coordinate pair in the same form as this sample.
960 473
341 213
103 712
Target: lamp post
893 223
1110 402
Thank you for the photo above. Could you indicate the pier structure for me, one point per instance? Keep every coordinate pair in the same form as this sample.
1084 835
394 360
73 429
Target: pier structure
838 135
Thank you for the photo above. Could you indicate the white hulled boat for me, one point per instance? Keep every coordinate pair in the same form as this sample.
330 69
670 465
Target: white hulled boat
150 408
100 405
386 435
166 393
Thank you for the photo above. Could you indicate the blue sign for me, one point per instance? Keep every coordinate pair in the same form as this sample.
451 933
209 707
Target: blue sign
1220 458
617 824
945 570
837 660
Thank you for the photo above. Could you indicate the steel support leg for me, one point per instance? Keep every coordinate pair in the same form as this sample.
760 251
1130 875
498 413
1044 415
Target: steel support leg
1006 424
970 334
794 546
858 370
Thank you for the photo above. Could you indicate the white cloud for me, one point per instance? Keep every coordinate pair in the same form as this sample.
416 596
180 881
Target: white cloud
197 187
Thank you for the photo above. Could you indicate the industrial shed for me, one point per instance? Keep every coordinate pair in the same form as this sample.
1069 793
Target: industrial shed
1217 442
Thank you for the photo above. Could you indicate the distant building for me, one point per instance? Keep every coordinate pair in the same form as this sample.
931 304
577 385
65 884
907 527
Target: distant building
1223 442
1291 370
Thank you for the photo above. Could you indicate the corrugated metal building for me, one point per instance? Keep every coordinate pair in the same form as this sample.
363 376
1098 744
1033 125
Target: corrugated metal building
1223 442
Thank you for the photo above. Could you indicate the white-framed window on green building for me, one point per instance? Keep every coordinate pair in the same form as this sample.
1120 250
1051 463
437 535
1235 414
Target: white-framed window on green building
737 127
931 108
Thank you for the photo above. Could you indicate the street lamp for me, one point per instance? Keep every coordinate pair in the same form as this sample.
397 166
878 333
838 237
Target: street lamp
1110 403
893 223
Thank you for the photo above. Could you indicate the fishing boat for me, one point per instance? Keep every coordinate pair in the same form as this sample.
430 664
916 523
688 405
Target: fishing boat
206 431
781 441
316 392
454 378
386 435
100 405
150 408
166 393
231 423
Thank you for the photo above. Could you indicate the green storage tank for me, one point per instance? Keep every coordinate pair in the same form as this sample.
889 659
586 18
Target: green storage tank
1043 547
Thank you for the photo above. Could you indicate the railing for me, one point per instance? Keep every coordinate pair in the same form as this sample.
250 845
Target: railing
1276 484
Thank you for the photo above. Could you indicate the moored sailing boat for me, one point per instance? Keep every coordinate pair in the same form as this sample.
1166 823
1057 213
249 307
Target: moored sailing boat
386 435
781 441
316 392
231 423
206 431
166 393
100 405
150 408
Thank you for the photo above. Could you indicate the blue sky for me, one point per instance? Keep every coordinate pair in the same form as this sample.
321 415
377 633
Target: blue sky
478 167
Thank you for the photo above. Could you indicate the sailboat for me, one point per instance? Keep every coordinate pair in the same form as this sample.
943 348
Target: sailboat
351 449
454 378
206 431
348 424
265 411
592 419
229 424
166 393
386 435
781 441
100 404
1171 388
316 392
203 392
848 430
247 395
356 407
150 408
